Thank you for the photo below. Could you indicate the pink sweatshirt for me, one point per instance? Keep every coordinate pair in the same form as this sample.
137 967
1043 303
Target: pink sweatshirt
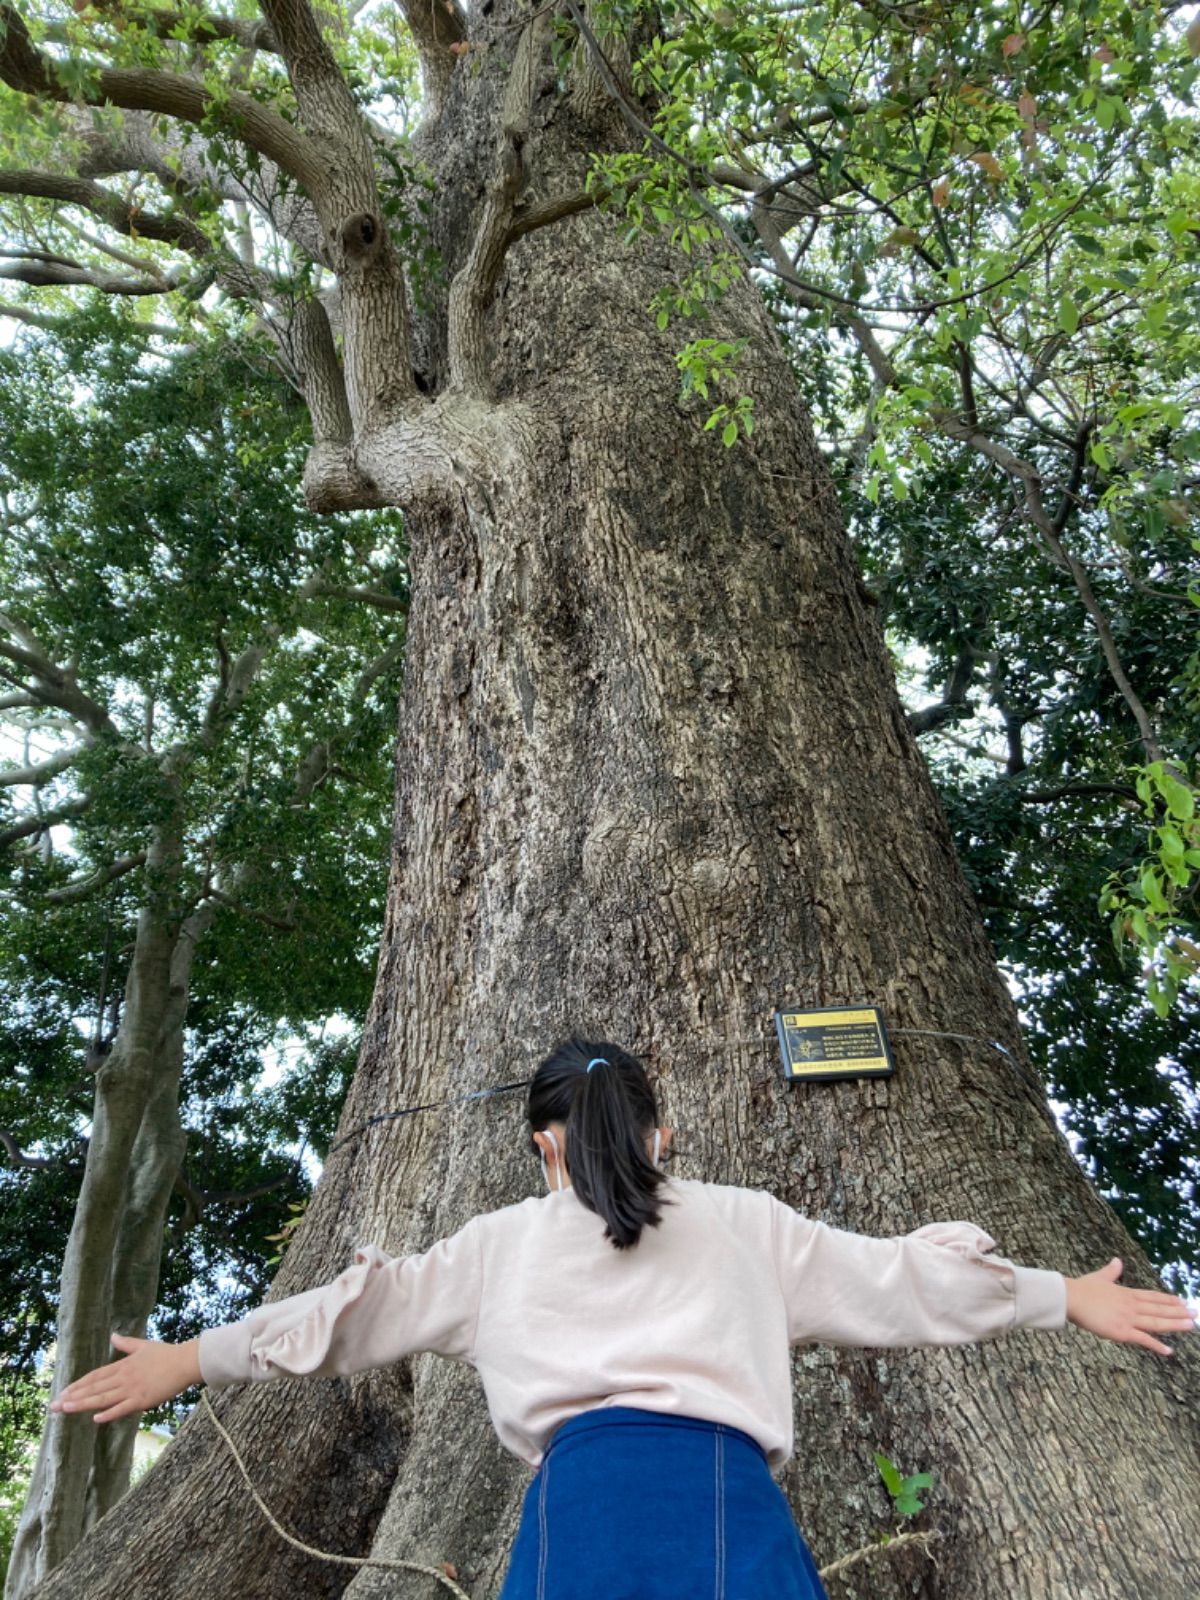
696 1319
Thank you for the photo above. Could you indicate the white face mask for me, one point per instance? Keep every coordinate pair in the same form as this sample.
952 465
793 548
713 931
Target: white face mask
558 1183
558 1164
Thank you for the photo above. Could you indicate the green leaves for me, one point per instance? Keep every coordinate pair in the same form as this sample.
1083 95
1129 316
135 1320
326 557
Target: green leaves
709 364
1152 907
157 542
903 1490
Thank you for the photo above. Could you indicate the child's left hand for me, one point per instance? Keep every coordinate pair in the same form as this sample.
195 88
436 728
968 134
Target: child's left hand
1098 1303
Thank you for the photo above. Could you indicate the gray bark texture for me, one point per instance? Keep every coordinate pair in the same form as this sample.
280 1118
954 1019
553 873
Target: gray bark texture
111 1266
654 781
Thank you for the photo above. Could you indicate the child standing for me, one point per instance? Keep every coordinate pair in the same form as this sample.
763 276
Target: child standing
632 1334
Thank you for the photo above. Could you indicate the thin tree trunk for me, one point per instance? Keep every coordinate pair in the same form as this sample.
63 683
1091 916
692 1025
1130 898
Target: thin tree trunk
137 1256
654 781
116 1233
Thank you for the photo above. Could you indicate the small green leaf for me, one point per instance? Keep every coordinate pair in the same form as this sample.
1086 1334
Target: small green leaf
1152 891
729 434
1170 846
1068 315
1181 802
889 1474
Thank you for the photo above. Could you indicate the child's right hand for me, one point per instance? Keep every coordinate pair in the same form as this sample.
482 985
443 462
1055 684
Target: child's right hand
147 1375
1098 1303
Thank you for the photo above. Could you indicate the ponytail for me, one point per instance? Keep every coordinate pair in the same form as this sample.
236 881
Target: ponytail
603 1096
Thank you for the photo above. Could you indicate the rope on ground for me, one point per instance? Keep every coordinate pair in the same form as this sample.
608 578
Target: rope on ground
443 1577
923 1540
836 1568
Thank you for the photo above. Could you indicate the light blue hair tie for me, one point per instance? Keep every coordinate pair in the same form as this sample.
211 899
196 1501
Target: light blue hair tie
599 1061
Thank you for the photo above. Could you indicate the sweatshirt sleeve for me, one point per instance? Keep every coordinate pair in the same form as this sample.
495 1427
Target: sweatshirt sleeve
380 1309
937 1286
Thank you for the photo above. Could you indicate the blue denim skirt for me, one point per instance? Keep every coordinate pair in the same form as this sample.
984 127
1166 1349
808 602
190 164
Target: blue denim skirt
641 1505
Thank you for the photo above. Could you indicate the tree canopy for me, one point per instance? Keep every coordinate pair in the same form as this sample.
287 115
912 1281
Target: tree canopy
171 606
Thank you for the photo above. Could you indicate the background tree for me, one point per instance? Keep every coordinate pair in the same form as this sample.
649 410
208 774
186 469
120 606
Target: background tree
209 706
654 773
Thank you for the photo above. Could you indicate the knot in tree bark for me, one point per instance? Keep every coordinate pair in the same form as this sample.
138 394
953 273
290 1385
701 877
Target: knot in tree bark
361 237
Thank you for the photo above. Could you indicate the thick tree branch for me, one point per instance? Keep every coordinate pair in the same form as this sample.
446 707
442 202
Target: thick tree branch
1070 495
235 683
548 213
178 158
321 90
475 283
239 279
436 26
309 343
374 670
55 686
197 1200
71 893
38 824
954 705
43 772
110 208
356 239
366 597
30 317
25 68
250 33
60 274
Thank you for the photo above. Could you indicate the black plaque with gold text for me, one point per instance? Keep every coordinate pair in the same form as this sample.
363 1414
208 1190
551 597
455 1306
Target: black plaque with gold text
847 1042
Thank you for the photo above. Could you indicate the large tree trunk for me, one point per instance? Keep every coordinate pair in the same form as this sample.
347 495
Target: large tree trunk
654 781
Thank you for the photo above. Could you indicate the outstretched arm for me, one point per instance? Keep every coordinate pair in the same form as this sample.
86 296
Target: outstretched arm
380 1309
943 1285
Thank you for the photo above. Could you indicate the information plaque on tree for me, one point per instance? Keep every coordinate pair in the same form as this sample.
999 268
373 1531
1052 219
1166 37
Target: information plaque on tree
850 1043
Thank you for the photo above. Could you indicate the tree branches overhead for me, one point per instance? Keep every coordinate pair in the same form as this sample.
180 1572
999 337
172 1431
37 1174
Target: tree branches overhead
202 114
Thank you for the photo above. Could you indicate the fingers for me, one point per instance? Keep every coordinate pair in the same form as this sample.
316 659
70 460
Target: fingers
1162 1324
1154 1298
71 1397
1147 1343
94 1397
124 1408
75 1396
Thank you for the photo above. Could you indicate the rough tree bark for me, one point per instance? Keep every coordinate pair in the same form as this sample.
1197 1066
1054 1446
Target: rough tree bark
111 1266
654 780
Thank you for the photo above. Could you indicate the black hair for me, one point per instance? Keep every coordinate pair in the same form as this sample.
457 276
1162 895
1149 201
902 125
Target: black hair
609 1113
